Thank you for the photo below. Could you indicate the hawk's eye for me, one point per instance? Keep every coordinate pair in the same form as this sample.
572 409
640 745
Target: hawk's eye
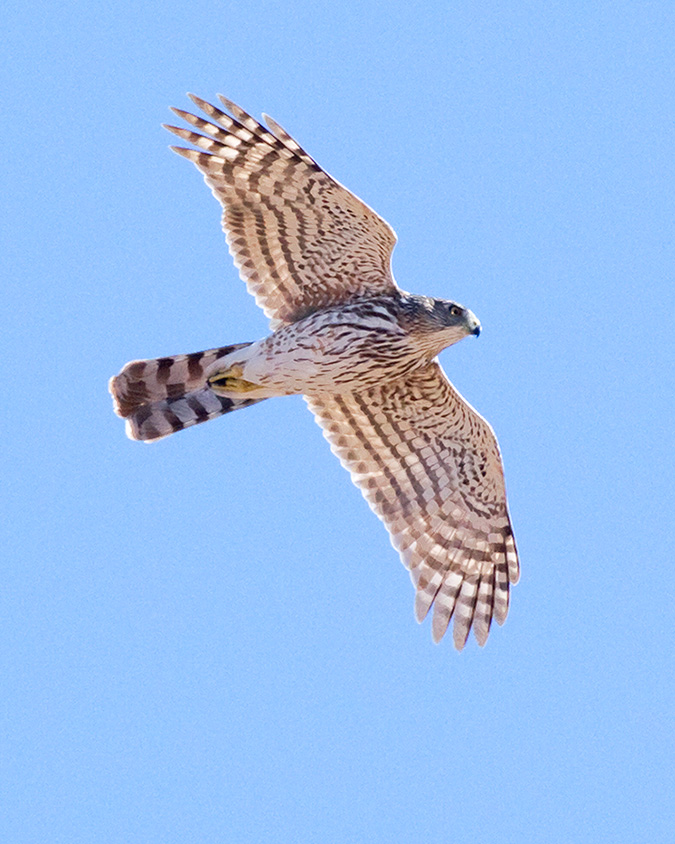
455 311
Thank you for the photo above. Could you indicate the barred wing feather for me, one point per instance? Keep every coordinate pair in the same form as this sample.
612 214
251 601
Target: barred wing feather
430 468
300 240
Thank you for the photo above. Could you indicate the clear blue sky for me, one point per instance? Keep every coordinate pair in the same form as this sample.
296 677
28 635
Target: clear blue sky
211 639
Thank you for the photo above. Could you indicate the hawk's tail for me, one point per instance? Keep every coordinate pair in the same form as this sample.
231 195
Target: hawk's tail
159 397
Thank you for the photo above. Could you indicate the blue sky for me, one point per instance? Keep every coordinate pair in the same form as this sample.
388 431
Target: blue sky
211 639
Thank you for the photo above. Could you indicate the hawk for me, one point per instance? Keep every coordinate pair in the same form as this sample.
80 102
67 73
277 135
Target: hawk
360 350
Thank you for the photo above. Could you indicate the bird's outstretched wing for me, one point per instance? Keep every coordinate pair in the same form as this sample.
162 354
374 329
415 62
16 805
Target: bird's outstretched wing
430 468
300 240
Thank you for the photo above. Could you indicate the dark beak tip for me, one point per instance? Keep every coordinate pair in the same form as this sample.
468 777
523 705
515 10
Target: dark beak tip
476 331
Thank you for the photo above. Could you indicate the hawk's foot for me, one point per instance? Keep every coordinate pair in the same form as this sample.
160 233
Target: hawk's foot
230 381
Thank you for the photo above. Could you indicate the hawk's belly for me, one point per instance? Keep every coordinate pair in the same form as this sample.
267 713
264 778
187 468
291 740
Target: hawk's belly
318 356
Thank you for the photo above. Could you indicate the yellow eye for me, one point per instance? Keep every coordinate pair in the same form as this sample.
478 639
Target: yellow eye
455 311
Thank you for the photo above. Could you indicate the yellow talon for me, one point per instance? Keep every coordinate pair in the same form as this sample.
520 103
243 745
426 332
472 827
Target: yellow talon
230 381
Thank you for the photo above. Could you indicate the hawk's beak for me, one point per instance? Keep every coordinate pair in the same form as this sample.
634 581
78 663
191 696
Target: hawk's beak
472 323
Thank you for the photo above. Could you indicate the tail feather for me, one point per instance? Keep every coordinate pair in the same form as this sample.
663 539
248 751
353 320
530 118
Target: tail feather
161 396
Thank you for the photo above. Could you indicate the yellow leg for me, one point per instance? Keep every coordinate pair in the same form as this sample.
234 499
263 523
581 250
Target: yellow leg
230 381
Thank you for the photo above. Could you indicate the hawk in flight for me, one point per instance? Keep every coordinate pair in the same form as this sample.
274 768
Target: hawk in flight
359 349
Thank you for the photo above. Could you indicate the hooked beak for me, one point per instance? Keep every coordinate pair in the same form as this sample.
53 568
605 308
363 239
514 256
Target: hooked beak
472 323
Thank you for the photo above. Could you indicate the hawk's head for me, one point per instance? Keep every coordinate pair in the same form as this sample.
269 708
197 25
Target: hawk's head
439 323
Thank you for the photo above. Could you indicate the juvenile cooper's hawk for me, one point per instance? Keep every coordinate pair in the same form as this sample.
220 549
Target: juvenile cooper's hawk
363 354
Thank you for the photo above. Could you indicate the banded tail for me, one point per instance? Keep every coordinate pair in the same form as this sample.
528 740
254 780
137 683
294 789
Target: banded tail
161 396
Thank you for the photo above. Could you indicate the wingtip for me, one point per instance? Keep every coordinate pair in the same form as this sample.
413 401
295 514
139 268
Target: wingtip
420 613
460 634
422 606
275 128
481 633
199 102
500 609
185 134
438 629
176 130
229 104
184 152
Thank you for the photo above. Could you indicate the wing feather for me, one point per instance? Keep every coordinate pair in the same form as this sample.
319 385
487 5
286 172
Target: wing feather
430 468
300 240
